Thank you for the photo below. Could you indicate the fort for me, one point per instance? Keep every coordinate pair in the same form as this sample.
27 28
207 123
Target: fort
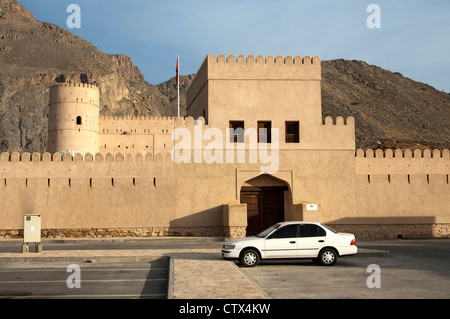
119 176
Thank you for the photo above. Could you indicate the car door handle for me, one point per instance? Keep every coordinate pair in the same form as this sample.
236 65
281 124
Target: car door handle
321 241
292 242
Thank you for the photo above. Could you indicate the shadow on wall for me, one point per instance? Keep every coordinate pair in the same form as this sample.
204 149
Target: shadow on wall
391 227
206 223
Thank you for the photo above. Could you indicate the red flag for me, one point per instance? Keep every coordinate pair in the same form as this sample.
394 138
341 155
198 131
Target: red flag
177 72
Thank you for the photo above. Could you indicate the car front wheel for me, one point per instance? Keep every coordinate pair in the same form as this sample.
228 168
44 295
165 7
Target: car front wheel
328 257
249 258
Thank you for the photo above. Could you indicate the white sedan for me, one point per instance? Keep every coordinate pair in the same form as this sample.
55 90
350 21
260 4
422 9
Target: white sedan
292 240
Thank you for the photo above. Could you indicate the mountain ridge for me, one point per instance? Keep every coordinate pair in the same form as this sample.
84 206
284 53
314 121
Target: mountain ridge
389 109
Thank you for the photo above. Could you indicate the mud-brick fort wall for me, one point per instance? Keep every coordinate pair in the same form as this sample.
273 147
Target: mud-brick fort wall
95 192
115 176
112 195
128 134
402 194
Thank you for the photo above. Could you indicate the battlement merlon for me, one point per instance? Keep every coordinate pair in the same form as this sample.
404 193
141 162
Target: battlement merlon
259 68
75 85
69 92
399 161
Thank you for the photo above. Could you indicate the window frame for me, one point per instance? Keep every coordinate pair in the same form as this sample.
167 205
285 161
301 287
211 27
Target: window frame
237 137
292 137
320 231
272 236
268 132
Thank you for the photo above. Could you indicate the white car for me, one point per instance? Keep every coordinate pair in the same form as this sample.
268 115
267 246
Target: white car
292 240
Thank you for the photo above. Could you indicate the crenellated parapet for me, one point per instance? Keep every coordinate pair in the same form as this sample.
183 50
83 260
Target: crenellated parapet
403 154
99 165
259 67
75 85
74 93
270 59
339 121
67 157
137 118
259 61
399 161
135 124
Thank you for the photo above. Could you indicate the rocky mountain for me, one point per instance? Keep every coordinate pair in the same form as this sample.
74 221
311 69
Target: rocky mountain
390 110
34 55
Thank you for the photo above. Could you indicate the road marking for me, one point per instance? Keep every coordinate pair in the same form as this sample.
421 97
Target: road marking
85 280
84 296
84 269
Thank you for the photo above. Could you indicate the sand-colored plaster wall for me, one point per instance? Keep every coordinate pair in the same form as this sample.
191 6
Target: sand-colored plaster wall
73 118
165 176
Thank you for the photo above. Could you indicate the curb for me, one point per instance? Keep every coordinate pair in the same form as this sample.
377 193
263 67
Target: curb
19 241
78 259
171 279
364 252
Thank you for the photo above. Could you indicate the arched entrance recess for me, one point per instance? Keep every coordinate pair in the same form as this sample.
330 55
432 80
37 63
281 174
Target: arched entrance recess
267 200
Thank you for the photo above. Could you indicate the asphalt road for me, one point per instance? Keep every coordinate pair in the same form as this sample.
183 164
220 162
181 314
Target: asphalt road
140 280
413 269
15 246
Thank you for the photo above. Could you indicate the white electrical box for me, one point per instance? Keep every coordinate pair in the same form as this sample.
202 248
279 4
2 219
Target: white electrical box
32 228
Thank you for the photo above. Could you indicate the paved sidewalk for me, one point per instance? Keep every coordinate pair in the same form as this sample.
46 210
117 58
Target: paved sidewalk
196 273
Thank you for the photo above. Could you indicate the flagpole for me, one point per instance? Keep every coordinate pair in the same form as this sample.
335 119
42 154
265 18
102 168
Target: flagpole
178 81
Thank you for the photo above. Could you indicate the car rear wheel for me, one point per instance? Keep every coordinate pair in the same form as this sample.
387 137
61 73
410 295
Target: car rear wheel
249 258
328 257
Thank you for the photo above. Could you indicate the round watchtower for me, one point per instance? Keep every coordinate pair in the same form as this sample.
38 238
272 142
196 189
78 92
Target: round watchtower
73 118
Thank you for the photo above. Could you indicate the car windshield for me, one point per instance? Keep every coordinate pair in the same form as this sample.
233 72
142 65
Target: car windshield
332 230
266 232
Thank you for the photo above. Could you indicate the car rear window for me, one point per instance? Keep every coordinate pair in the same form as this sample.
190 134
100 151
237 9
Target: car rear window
311 230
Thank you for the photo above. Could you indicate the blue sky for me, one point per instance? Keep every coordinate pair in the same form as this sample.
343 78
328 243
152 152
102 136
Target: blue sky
413 38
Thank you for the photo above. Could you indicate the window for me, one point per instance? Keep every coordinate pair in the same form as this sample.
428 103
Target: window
292 132
264 132
237 131
311 230
78 120
289 231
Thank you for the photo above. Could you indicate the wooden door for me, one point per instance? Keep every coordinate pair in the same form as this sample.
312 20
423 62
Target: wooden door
265 207
253 201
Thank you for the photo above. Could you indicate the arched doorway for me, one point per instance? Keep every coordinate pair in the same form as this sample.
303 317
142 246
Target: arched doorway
265 198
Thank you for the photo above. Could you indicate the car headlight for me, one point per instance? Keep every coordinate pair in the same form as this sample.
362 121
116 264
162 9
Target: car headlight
229 246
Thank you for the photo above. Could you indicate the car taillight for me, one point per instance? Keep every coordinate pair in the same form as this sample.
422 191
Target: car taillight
353 242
